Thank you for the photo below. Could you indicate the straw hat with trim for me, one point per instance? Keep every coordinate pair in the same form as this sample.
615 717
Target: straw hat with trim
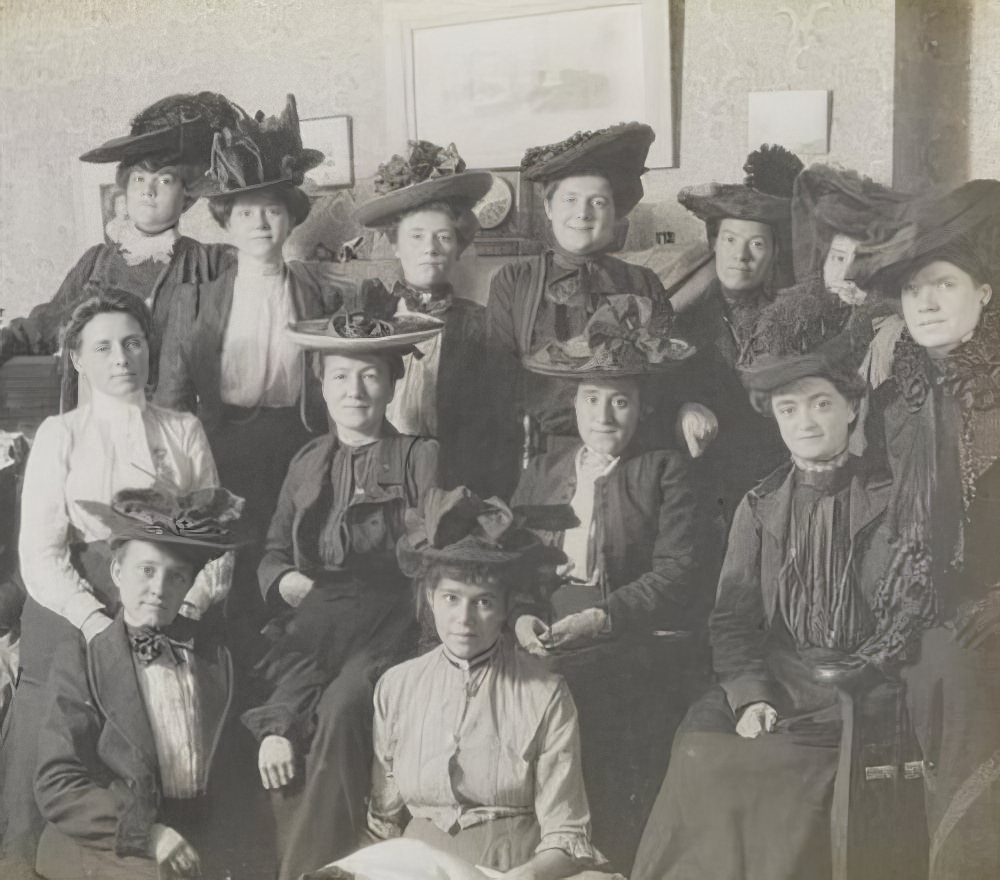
359 333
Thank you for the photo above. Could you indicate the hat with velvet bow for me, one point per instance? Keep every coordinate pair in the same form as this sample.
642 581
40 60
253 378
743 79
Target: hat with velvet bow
260 151
618 153
626 336
428 174
205 519
457 526
179 128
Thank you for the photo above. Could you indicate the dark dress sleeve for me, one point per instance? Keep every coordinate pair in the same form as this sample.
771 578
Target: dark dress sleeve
175 387
75 791
738 625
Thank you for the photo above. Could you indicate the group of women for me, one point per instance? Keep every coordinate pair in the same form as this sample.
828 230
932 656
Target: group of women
490 658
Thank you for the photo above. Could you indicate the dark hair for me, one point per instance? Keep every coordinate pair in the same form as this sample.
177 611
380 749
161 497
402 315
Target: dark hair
393 360
466 224
293 198
850 385
502 578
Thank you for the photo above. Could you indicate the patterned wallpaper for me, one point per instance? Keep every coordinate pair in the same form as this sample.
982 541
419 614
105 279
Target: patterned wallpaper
73 72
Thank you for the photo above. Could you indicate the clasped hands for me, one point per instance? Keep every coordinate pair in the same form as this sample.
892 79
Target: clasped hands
539 639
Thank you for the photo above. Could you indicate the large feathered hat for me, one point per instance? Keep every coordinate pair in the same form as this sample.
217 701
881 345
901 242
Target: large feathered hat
179 128
429 173
617 153
259 152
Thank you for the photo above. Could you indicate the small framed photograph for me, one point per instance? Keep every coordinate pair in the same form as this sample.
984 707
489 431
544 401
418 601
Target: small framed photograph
332 135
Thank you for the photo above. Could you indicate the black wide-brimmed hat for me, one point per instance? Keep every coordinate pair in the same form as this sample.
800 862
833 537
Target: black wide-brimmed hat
259 152
361 332
206 519
627 336
457 526
179 128
428 174
961 227
617 153
765 194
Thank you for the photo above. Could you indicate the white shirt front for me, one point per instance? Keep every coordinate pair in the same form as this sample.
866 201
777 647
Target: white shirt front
259 365
413 408
88 454
590 466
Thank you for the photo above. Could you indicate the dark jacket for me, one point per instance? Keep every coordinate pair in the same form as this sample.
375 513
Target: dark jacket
192 354
191 264
97 779
463 404
747 604
646 533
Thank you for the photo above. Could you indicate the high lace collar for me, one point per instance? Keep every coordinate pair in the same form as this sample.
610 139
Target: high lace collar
138 247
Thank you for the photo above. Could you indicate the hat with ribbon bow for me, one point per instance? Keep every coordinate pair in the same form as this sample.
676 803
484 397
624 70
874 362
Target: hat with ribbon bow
428 174
365 332
626 336
205 519
258 152
457 526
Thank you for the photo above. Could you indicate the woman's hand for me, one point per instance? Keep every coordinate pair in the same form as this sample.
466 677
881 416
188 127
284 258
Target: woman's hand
276 762
757 718
584 625
697 426
531 632
173 852
294 587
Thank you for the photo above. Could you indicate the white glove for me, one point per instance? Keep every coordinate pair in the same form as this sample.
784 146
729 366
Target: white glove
530 631
276 762
757 718
294 587
697 427
173 852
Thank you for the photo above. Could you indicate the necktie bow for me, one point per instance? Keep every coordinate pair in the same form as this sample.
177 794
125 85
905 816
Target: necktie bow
148 643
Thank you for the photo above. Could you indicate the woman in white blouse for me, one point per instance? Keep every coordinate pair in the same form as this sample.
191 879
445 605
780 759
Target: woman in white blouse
115 441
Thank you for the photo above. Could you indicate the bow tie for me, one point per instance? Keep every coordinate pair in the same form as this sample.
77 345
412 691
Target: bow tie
433 302
148 643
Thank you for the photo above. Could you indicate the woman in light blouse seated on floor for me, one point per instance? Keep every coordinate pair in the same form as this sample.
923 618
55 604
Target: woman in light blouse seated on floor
476 744
116 440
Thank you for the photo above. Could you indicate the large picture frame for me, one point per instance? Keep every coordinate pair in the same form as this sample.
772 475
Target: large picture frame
455 68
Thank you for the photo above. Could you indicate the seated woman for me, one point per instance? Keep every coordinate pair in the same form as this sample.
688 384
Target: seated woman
632 564
424 206
477 750
747 795
226 356
125 749
114 441
330 563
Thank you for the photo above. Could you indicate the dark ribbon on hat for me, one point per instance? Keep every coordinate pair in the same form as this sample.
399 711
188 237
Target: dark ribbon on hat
426 161
236 160
148 643
436 304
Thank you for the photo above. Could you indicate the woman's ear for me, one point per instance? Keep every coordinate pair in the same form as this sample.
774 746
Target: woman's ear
75 360
116 570
987 294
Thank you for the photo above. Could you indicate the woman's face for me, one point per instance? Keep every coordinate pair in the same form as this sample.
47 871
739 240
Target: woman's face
744 251
942 305
427 247
581 211
839 259
155 199
607 414
814 418
468 617
152 582
113 354
260 224
357 390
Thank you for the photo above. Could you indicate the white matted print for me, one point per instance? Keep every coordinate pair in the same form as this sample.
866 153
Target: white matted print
504 82
797 120
331 135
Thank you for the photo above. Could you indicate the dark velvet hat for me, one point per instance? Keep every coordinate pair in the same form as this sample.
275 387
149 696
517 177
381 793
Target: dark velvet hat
765 194
179 128
259 152
618 153
457 526
626 336
428 174
206 519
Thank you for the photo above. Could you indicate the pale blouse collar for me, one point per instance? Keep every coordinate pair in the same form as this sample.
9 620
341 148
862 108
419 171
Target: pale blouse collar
589 461
251 268
473 662
108 408
822 466
137 247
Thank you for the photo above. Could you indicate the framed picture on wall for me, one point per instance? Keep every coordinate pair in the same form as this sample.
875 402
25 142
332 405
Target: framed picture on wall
332 135
498 76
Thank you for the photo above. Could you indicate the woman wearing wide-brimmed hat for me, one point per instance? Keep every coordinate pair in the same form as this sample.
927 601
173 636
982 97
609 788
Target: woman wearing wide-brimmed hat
227 356
590 182
748 227
345 609
633 561
424 205
941 414
747 794
161 169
